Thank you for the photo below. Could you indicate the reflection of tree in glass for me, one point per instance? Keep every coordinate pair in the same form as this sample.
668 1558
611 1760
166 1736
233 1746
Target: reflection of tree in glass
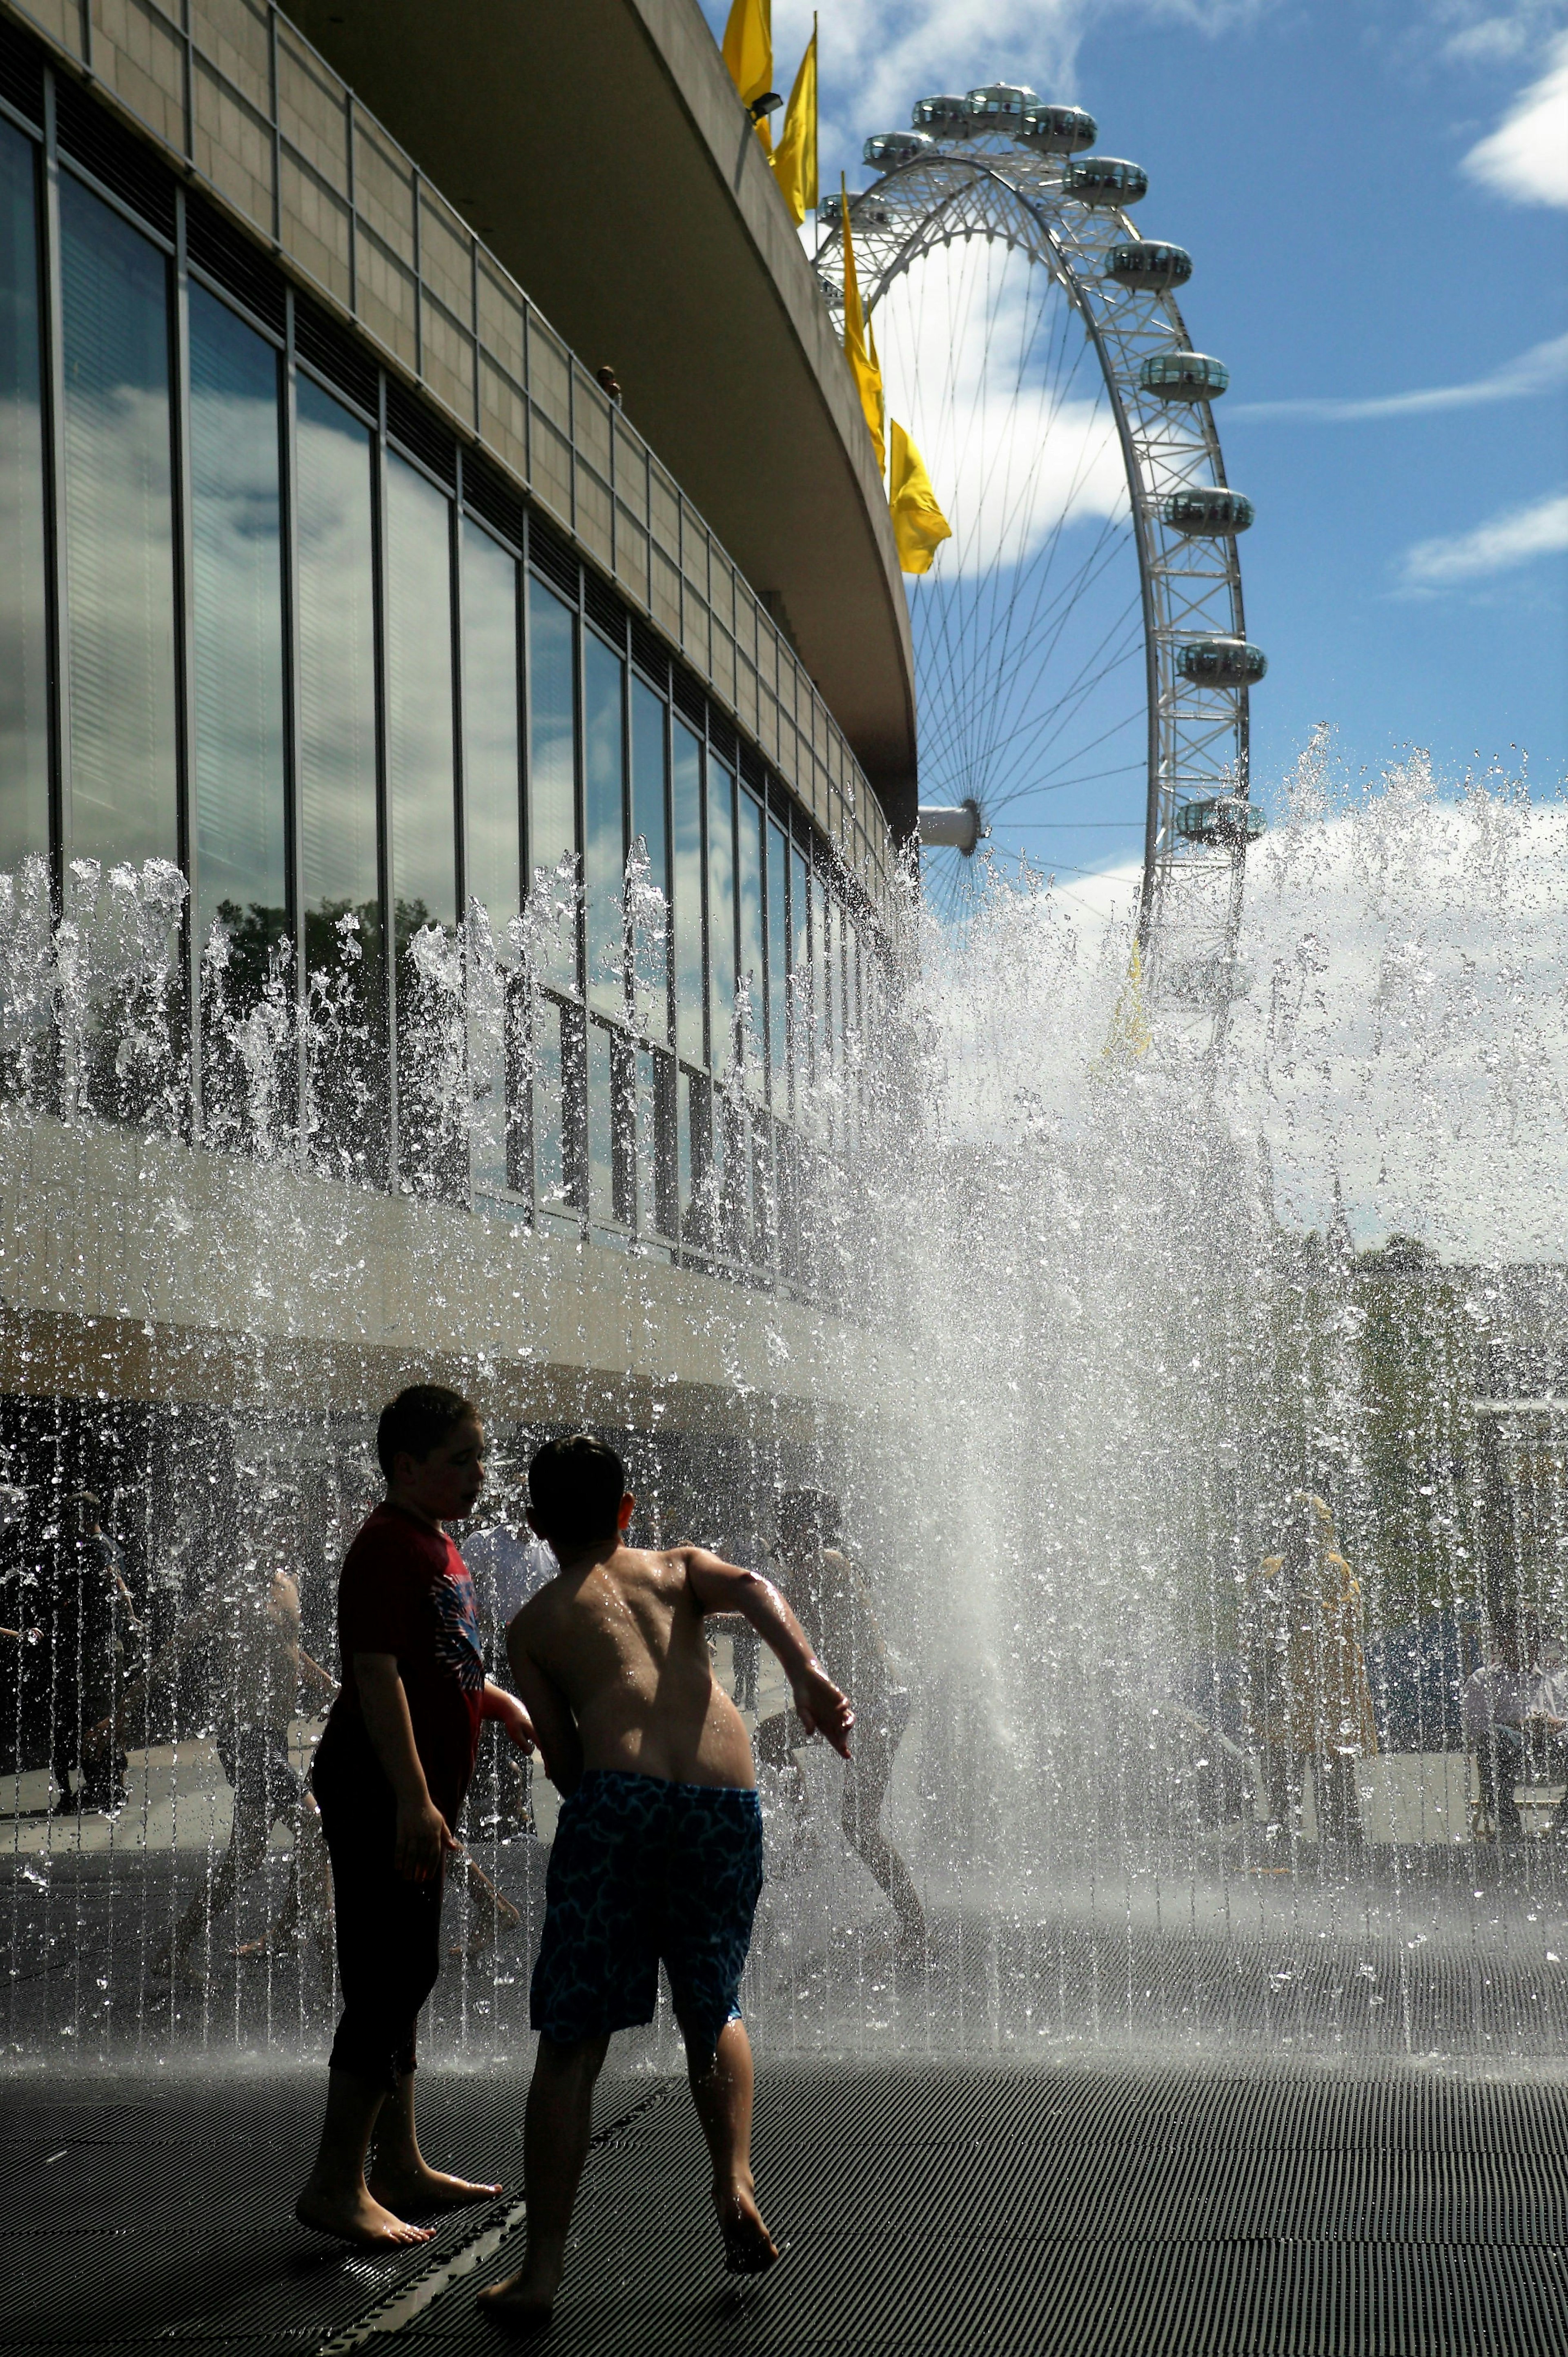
249 1030
434 1108
347 1063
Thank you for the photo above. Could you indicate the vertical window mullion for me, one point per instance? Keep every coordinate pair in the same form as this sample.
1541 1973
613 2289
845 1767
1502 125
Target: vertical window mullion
54 449
294 820
185 648
388 878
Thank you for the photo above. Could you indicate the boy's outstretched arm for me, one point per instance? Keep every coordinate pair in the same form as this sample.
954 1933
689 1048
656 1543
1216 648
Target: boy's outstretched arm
500 1704
720 1586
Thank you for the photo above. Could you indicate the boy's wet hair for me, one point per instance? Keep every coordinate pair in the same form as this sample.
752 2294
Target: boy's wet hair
417 1421
808 1517
574 1490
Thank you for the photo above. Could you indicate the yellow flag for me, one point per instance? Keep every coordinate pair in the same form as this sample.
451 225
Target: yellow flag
867 375
919 526
795 157
1130 1037
880 436
748 53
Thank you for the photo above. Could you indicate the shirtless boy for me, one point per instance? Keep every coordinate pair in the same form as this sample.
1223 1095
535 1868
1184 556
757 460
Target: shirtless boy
657 1855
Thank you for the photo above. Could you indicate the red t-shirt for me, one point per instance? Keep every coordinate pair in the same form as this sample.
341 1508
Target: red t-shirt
405 1590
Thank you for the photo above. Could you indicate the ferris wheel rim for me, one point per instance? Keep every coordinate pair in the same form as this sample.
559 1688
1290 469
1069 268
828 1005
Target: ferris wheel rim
1025 184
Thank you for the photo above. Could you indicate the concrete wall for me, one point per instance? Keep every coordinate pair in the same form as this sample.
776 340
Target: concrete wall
136 1267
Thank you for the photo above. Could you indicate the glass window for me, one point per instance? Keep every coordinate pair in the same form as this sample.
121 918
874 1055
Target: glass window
691 1029
779 961
420 753
655 1109
492 750
237 631
552 1183
601 1123
821 1002
721 915
650 828
695 1154
552 768
604 822
492 812
338 783
24 634
753 968
119 520
799 965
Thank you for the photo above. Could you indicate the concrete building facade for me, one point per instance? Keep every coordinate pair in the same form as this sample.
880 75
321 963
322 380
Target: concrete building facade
343 602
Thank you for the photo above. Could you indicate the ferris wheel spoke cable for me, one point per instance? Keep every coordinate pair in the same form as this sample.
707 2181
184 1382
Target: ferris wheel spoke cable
1025 619
980 620
1025 743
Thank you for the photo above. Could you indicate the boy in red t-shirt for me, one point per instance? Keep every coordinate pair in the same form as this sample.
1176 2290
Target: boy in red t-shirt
390 1777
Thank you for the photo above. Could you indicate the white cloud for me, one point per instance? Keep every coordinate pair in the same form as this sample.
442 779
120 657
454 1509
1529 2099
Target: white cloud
1483 39
1496 546
1525 158
1540 370
1017 439
879 56
1404 1033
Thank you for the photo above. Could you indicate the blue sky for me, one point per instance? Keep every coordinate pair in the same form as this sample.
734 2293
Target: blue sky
1375 198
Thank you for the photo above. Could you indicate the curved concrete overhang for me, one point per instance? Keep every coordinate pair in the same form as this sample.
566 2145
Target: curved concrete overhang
599 149
142 1268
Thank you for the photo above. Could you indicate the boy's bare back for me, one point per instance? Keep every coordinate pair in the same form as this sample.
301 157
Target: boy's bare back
611 1661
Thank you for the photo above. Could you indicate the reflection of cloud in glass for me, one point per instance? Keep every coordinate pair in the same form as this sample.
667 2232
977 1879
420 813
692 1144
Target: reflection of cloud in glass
420 756
119 533
23 647
337 668
237 613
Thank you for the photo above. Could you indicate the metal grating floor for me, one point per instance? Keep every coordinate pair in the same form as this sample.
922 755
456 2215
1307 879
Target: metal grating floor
1091 2206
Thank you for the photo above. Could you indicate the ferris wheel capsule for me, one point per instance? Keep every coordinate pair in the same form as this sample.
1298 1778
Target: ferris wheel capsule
1183 376
1059 130
1105 180
945 116
999 106
1148 264
1222 663
887 149
1207 511
1227 819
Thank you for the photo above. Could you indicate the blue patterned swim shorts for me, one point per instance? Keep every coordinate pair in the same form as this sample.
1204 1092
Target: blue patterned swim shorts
642 1871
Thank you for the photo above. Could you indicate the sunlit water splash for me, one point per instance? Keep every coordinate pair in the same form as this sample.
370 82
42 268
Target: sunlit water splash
1123 1305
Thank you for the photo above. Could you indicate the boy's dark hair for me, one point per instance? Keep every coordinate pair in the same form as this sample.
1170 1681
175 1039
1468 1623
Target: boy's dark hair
574 1490
417 1421
809 1517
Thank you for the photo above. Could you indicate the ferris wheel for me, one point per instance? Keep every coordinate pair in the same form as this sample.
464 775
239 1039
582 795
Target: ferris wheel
1084 629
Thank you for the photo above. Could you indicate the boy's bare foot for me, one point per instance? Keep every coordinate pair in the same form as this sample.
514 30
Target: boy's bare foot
424 2188
357 2217
749 2248
522 2302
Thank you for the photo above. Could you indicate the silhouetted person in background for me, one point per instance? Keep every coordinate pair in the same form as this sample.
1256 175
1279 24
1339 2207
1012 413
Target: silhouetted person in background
89 1635
1309 1702
1516 1716
833 1605
243 1647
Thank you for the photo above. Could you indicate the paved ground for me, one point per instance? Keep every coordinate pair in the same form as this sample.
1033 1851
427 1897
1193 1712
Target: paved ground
1091 2206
